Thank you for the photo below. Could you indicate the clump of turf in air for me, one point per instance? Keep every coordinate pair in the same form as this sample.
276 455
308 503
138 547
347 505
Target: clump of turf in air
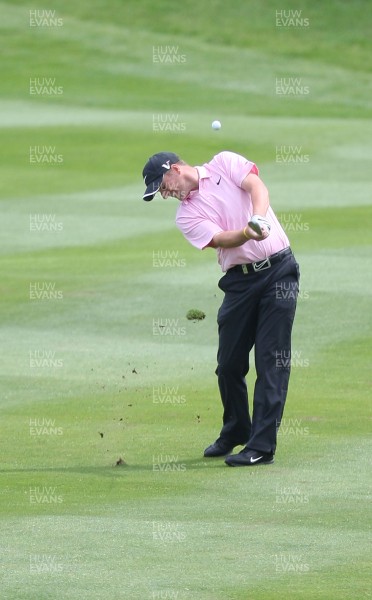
195 315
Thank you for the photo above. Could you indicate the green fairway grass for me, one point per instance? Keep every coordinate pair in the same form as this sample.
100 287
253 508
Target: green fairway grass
108 391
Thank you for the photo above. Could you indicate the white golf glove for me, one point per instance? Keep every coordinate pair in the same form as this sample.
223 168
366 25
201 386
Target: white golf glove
260 225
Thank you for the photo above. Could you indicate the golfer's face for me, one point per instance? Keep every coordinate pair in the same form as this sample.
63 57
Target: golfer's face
171 185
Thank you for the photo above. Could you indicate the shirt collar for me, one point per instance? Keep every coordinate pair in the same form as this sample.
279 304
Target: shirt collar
203 174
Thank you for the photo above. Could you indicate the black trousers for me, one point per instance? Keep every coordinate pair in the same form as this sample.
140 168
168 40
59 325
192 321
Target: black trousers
258 310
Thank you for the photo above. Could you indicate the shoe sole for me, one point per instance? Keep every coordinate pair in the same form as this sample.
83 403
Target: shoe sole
257 464
219 455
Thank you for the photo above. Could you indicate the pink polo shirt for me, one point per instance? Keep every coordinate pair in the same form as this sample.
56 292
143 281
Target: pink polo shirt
220 204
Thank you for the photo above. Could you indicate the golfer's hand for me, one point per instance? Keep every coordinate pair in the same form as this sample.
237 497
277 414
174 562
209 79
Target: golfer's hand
258 228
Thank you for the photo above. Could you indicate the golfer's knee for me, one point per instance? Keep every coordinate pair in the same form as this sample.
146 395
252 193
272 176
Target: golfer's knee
230 368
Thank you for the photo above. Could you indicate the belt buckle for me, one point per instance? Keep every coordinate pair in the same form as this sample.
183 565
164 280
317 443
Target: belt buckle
261 265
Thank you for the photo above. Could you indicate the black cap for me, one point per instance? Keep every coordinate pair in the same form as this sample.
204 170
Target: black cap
154 170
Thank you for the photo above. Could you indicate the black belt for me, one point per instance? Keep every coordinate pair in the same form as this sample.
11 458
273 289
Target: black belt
261 265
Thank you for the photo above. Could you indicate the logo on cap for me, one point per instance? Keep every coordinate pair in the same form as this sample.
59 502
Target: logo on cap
154 169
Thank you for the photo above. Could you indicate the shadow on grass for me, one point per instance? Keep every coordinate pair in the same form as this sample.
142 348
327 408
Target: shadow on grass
111 469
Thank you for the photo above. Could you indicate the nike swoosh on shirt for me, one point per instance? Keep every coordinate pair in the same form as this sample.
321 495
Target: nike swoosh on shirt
218 182
253 460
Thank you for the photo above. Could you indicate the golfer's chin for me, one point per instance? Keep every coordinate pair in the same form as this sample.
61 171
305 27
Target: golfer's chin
182 195
170 195
177 195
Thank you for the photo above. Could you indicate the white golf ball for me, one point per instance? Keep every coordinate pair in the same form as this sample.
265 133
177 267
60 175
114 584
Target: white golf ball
216 125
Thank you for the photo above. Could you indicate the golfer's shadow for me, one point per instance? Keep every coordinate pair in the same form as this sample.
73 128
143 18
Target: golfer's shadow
125 468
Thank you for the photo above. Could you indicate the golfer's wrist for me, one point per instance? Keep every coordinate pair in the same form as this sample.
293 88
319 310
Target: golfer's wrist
245 234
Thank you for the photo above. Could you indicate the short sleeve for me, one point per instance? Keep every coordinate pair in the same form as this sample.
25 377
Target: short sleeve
199 232
236 167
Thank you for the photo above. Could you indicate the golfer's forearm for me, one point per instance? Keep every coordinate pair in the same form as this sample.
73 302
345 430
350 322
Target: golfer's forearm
229 239
260 199
260 203
259 194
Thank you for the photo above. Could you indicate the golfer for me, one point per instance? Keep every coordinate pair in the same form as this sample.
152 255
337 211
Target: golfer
225 205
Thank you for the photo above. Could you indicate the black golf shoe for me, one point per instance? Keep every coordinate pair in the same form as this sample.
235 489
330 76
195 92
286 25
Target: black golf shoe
249 458
219 448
